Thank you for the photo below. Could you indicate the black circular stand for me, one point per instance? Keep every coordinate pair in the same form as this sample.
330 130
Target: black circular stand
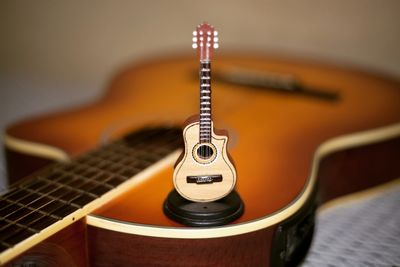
214 213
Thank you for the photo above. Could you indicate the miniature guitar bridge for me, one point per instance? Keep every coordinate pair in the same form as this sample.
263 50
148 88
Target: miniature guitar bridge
204 179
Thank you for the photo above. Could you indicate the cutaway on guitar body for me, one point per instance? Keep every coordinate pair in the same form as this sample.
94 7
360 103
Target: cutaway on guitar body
204 180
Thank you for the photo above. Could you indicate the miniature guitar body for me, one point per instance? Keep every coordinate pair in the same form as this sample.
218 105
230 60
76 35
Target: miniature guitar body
204 172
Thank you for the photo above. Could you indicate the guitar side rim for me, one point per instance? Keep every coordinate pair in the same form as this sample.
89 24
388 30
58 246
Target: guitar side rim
35 149
329 146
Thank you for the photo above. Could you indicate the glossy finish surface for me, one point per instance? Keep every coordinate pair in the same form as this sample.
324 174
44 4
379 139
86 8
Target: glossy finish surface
274 135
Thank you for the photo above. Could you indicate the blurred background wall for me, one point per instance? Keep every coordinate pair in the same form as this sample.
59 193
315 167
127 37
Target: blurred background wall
54 54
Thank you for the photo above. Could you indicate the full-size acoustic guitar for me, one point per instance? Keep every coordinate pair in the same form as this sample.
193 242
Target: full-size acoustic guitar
301 133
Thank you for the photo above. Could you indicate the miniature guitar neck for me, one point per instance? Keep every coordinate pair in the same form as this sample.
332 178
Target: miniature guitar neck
205 102
205 40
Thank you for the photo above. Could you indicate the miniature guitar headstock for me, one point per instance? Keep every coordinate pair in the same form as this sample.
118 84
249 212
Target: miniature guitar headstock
205 40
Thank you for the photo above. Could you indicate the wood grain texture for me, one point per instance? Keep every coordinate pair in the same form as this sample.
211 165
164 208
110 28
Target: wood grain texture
243 250
358 168
190 166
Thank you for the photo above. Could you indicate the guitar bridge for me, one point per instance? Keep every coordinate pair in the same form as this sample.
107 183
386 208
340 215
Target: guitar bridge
204 179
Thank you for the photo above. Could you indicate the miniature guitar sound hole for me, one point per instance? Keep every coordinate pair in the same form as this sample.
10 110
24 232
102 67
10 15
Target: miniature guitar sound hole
205 172
205 151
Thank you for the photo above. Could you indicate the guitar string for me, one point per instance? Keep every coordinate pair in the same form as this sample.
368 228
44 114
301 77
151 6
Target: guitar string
104 158
205 129
30 225
82 178
78 192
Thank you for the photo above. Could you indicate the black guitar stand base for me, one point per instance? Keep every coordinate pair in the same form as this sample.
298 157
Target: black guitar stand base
215 213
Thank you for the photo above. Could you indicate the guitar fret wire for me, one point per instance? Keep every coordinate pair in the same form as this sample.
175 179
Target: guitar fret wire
91 179
74 189
31 192
205 85
205 77
205 70
205 97
205 91
55 198
23 226
46 195
86 180
12 203
28 205
30 208
117 164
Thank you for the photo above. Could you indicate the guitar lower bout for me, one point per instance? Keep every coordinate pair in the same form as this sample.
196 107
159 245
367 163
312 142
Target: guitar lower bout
204 171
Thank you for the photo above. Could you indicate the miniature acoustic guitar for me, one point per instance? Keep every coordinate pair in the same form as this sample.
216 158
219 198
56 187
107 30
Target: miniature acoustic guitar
293 124
205 172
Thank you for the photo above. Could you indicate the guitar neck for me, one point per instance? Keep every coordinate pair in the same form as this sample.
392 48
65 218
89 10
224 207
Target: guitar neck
49 197
205 102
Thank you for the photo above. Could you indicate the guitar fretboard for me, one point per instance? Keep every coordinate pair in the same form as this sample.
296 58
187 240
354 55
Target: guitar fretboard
49 196
205 102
